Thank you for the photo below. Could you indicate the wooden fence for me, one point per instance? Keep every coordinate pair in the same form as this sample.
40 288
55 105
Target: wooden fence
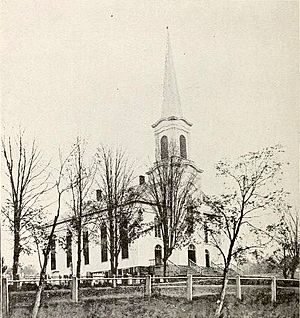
150 283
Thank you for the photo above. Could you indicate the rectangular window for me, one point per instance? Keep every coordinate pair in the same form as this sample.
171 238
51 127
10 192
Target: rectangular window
104 249
207 258
190 220
205 233
124 239
53 254
69 248
157 229
86 251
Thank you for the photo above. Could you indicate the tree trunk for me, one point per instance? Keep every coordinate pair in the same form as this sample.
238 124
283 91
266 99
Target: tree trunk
294 265
165 267
37 302
223 293
78 268
38 296
116 264
16 256
112 266
112 259
166 255
112 235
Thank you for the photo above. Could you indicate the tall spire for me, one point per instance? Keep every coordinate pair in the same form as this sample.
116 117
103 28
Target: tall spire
171 105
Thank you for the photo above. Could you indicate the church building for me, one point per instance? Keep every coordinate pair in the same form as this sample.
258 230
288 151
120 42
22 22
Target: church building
144 255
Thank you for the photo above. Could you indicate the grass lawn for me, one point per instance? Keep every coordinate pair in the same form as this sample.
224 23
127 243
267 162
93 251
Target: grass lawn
256 305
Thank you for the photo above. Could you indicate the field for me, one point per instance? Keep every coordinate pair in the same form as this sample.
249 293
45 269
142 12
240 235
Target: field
256 304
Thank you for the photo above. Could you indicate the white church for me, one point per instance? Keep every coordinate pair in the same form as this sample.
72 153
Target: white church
144 255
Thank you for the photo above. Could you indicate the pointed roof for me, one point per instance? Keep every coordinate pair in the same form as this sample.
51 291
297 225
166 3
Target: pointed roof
171 105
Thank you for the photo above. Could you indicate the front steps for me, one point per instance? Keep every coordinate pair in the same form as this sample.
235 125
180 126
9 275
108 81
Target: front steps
184 270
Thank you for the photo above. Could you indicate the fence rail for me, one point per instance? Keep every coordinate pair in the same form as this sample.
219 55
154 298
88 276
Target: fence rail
110 278
34 280
150 284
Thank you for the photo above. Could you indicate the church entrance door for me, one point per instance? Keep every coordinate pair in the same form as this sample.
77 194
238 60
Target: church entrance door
158 255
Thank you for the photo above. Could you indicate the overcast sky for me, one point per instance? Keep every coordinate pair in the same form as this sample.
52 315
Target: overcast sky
95 69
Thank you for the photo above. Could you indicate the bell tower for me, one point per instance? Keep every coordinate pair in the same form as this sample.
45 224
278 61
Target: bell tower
172 130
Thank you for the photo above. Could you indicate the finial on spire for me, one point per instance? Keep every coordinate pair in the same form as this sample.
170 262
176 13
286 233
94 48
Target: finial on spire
171 105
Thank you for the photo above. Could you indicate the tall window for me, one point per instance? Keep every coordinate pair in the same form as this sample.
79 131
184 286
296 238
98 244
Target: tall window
86 252
192 254
157 228
53 254
158 255
182 141
104 250
69 248
190 220
205 233
207 258
124 238
164 150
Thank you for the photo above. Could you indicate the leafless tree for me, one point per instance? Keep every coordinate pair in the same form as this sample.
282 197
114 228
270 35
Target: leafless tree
171 190
251 188
120 220
27 182
285 234
46 232
81 178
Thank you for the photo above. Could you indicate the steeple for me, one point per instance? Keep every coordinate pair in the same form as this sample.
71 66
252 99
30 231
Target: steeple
171 105
172 130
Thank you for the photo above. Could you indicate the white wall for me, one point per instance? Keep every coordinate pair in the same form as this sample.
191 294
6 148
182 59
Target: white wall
141 252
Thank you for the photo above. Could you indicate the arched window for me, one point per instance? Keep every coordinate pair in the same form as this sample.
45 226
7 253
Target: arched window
207 258
192 255
192 247
158 255
182 142
164 151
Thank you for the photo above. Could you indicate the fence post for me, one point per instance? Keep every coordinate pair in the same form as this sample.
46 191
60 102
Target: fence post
5 298
189 286
238 287
273 289
114 281
75 289
148 286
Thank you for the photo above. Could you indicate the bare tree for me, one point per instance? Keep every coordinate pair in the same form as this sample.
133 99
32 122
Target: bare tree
46 234
81 178
285 234
120 219
28 181
251 189
172 189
